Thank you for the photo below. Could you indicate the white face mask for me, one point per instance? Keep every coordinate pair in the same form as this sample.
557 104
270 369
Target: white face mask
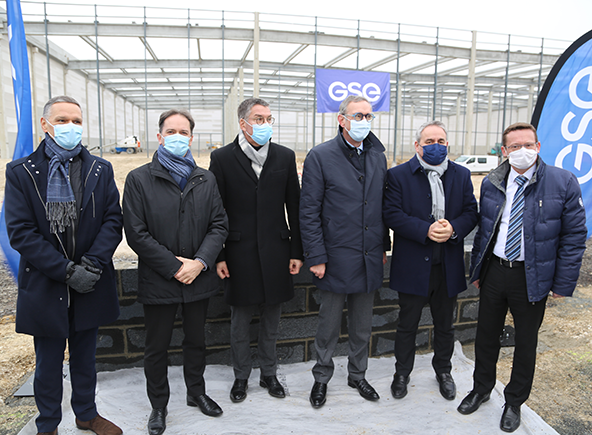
523 158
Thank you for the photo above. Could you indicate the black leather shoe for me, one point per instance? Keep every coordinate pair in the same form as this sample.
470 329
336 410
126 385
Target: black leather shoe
364 388
510 418
472 402
399 386
238 392
157 421
273 386
205 404
318 394
447 386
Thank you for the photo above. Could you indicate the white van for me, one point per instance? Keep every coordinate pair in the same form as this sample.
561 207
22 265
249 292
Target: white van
478 164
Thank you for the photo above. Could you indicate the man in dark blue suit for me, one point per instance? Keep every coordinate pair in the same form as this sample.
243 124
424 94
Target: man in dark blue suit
430 206
63 217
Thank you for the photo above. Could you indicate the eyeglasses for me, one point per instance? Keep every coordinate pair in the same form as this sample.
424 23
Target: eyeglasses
517 146
259 120
359 116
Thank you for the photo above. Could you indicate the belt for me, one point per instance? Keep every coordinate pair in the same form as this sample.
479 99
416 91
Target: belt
507 263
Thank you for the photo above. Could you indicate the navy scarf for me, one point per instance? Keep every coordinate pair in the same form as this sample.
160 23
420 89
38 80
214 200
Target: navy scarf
179 167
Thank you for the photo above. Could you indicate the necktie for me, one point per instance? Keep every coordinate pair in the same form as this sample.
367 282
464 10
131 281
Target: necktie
514 236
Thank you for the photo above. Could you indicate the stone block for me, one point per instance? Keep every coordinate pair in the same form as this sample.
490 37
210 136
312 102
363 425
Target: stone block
314 299
297 304
298 327
386 296
218 333
218 308
110 341
385 319
291 352
129 282
112 363
465 333
469 311
136 339
131 312
382 344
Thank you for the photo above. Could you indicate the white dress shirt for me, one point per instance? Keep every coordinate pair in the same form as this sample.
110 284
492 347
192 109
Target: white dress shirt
500 244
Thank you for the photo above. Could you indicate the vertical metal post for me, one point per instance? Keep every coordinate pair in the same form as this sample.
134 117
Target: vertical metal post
540 67
189 59
314 101
358 52
397 106
279 102
47 50
98 82
506 85
436 73
403 117
476 124
223 88
146 142
256 31
306 121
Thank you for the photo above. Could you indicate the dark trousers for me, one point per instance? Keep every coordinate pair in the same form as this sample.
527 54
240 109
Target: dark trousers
411 307
359 328
159 320
49 354
240 348
504 287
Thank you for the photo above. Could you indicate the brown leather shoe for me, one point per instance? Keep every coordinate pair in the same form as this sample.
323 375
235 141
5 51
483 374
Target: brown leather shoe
54 432
99 425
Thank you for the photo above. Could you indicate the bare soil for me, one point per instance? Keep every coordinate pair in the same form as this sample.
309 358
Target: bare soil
562 393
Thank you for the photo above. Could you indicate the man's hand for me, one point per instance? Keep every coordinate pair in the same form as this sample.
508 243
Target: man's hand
476 284
295 266
222 270
318 270
189 270
440 231
81 279
557 296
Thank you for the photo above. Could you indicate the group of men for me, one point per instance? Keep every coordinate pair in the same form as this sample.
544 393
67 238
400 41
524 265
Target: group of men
246 222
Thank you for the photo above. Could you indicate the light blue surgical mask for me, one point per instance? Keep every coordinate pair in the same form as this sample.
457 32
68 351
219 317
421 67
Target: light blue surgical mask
176 144
66 135
359 130
261 133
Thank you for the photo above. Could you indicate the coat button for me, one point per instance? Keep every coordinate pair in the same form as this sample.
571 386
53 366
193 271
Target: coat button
365 202
365 252
429 195
27 269
427 258
366 227
361 177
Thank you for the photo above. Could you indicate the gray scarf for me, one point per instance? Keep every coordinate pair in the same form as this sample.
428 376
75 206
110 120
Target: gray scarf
257 157
434 177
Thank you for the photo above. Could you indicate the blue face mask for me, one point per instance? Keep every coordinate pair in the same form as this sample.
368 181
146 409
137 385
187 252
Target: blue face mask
434 154
176 144
359 130
261 133
66 135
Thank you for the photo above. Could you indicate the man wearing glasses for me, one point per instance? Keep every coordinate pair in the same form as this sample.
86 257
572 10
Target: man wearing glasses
430 206
259 186
516 265
345 240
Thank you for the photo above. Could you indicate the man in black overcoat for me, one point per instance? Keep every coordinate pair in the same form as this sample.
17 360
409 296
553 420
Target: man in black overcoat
259 186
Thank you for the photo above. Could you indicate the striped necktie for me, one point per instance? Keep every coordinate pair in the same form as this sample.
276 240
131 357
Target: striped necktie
514 236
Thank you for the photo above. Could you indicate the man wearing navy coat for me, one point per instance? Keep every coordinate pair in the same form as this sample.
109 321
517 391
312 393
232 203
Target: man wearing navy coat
430 206
63 217
345 240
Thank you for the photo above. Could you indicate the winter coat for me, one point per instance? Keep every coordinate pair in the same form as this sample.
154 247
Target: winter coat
554 229
162 222
407 210
260 243
341 215
44 298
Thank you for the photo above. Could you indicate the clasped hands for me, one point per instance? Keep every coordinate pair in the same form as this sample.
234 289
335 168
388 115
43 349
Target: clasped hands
440 231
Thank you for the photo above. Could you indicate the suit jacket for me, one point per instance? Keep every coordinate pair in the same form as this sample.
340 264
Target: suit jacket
261 242
44 297
407 210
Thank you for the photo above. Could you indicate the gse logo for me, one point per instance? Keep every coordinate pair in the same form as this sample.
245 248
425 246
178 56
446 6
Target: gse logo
582 148
338 91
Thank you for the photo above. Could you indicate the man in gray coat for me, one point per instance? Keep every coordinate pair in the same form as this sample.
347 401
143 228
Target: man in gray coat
344 240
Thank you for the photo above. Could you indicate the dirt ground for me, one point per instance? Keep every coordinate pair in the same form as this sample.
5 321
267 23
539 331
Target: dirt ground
562 392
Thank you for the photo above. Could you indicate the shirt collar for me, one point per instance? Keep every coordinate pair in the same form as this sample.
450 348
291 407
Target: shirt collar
528 174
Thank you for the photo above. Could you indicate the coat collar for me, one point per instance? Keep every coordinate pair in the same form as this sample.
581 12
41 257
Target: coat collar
246 163
499 175
159 171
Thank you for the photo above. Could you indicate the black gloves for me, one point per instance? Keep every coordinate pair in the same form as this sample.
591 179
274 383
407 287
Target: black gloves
82 277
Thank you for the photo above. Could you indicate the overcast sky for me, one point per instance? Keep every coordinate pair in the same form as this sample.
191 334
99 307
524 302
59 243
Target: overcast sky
557 19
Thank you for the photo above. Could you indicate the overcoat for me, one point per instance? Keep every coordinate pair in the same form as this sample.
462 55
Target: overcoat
260 243
407 210
162 222
44 297
554 228
341 215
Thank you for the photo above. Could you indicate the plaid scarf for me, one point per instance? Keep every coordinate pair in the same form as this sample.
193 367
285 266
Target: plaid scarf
179 167
60 209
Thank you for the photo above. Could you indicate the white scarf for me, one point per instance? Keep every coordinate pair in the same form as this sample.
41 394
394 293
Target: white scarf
257 157
434 177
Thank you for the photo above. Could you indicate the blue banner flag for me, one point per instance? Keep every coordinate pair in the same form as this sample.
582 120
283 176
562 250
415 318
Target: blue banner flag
563 113
22 100
334 86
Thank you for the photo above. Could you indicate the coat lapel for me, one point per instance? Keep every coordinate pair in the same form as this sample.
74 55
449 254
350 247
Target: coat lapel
244 161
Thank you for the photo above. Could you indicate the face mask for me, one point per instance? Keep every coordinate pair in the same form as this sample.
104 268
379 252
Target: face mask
523 158
434 154
66 135
359 130
176 144
261 133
